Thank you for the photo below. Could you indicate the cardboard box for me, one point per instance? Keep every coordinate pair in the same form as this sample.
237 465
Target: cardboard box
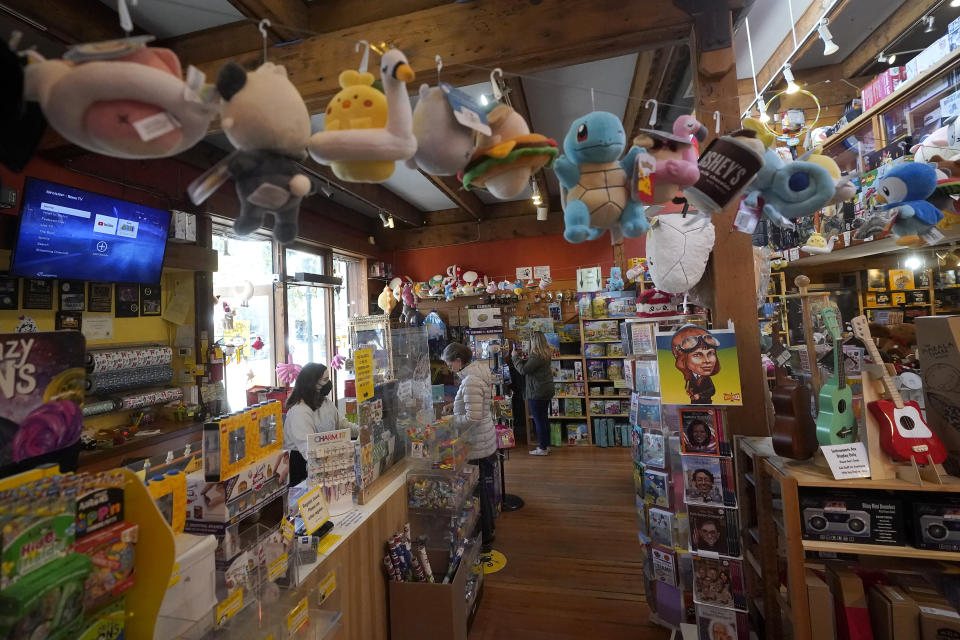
936 522
893 614
853 618
823 622
928 57
939 622
938 341
883 85
233 497
866 517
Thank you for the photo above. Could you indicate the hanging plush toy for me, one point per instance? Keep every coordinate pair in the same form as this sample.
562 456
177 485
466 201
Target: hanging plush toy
676 160
121 99
783 190
365 131
409 313
265 118
905 188
678 247
505 285
444 146
593 180
615 281
385 300
505 160
454 276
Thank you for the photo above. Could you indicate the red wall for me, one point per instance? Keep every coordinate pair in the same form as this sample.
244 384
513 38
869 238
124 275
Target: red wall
501 258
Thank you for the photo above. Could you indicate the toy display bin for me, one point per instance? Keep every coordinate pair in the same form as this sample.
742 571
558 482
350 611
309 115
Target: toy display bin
190 600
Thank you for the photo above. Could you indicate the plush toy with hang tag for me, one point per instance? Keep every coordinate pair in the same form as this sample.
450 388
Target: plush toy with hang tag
675 156
678 247
905 188
784 190
444 146
122 99
594 179
265 118
366 131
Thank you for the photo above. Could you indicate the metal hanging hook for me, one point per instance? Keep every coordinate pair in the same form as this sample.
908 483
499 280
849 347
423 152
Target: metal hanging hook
262 26
716 119
439 62
653 114
495 83
593 100
123 11
365 58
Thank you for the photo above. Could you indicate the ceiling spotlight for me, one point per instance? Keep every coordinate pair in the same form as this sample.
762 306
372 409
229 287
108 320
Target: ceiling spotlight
955 3
882 57
763 110
928 21
387 222
913 263
537 198
390 221
829 46
788 76
891 58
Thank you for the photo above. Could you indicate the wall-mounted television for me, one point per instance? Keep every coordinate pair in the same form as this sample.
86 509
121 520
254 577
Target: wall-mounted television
71 233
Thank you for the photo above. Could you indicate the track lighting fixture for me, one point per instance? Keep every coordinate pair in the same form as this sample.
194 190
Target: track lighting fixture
829 46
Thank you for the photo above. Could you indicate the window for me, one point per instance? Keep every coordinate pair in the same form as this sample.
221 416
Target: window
243 316
348 302
308 328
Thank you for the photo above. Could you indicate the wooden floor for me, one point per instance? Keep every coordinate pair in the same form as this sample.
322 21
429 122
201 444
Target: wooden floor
573 559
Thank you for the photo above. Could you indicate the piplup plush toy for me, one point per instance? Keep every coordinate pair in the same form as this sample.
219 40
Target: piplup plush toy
265 118
594 179
444 146
366 131
678 247
905 188
121 99
505 160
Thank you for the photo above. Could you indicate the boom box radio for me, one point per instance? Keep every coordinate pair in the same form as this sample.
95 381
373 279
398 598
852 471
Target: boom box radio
937 529
865 517
835 519
936 522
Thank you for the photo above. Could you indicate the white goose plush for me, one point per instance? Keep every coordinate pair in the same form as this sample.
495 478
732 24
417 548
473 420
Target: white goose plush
367 131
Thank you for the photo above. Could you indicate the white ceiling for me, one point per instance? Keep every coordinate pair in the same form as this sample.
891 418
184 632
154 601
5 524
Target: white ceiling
769 25
170 19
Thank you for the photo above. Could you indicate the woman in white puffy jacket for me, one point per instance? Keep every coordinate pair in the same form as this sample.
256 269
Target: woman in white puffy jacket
473 402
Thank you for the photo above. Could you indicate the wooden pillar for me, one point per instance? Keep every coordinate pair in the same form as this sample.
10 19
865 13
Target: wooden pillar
715 78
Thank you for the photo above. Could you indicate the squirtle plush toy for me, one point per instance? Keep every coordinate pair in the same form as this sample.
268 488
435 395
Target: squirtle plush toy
593 179
367 131
906 188
265 118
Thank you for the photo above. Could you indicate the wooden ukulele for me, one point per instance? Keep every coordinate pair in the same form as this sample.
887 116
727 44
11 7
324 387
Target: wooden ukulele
903 432
794 431
836 423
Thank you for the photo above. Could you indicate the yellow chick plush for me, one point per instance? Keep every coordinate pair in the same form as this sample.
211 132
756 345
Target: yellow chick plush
358 105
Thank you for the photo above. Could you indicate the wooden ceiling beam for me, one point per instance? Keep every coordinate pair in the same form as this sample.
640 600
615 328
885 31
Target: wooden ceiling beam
898 22
289 18
215 43
518 99
482 35
807 20
638 88
70 21
453 189
342 14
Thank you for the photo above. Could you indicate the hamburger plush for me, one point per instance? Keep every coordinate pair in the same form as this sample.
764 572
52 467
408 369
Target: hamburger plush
505 160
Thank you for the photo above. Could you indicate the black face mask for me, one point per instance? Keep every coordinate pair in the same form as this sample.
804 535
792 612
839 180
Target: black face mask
324 391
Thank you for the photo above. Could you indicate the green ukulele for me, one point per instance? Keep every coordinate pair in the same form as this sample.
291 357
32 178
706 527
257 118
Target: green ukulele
836 423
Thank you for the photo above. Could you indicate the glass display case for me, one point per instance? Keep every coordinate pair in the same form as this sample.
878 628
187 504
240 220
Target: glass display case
858 143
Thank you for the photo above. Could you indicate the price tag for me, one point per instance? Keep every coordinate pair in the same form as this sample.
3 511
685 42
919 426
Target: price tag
287 530
465 110
847 460
932 236
298 616
313 509
328 586
278 567
783 358
846 238
229 607
620 384
326 543
794 254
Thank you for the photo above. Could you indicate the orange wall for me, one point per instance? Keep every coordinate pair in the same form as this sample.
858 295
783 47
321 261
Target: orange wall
501 258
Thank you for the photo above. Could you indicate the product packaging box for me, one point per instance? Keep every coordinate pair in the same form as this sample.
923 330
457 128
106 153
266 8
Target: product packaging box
230 498
863 517
823 623
938 342
893 614
853 618
936 522
938 622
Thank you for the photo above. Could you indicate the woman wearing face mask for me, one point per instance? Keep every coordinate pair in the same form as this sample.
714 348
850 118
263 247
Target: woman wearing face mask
473 403
310 409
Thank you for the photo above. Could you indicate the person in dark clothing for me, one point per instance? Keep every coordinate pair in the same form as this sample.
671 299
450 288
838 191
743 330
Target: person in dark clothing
538 386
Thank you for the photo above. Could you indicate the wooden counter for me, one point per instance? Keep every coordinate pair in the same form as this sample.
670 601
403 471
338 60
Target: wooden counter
172 436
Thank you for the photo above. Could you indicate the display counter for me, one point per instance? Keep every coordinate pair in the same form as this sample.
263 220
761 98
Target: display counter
172 436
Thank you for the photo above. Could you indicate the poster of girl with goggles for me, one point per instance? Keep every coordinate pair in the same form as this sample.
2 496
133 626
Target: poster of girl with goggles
698 367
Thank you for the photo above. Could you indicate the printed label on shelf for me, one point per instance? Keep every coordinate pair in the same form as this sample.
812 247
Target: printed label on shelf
326 543
363 368
287 530
620 384
327 587
298 616
847 460
229 607
277 568
932 236
313 509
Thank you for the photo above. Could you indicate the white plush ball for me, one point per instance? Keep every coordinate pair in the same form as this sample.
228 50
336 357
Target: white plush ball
678 248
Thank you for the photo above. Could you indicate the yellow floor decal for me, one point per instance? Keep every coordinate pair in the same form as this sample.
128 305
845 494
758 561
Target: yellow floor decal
495 562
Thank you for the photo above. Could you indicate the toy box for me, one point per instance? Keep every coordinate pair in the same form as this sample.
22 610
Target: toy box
867 517
112 552
926 58
239 439
936 522
221 501
883 85
48 603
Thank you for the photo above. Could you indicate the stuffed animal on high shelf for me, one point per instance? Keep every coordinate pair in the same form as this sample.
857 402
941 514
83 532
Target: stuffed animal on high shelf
409 314
444 146
676 160
121 99
615 281
594 180
905 188
366 131
265 118
654 303
505 160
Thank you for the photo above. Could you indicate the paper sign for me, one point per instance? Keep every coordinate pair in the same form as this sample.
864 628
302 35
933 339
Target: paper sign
229 607
620 384
847 460
97 328
174 575
541 272
846 238
588 279
363 367
278 567
328 586
783 358
326 543
405 391
524 273
298 616
313 509
286 528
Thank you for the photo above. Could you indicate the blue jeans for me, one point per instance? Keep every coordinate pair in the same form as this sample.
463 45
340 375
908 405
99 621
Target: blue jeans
538 411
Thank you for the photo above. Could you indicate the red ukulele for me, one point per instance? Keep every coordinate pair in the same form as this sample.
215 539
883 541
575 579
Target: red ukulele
903 432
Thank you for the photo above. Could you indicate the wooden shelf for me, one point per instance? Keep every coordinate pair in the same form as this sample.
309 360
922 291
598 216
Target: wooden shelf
880 550
609 415
569 381
566 417
606 357
808 474
593 397
173 435
601 341
580 397
609 318
599 380
567 358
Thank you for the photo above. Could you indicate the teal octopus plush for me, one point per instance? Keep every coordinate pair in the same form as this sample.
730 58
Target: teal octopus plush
594 180
784 190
